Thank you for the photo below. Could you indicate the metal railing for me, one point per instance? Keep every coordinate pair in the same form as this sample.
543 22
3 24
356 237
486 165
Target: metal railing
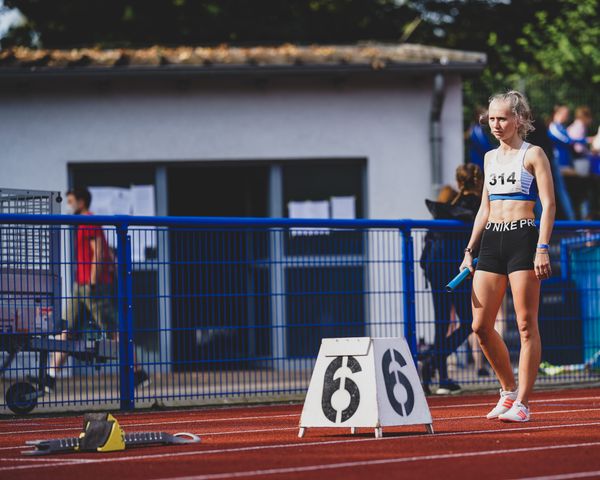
225 308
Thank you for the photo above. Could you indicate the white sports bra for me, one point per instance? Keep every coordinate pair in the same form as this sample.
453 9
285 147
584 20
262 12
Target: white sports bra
510 181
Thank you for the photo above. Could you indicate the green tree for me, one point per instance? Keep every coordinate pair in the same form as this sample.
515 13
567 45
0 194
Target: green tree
67 23
555 59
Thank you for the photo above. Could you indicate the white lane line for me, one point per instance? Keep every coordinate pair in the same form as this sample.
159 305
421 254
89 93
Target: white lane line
176 422
263 430
236 432
565 476
481 417
177 413
206 420
13 448
534 413
40 459
40 465
541 400
201 411
124 425
384 461
321 444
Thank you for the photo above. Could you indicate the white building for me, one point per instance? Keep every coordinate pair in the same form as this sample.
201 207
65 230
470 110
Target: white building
238 131
244 132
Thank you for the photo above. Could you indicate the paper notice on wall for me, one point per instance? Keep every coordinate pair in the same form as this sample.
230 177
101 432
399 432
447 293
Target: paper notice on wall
111 201
137 200
343 207
143 239
142 200
309 209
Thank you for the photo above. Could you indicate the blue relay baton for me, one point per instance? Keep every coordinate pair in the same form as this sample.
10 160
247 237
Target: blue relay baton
456 281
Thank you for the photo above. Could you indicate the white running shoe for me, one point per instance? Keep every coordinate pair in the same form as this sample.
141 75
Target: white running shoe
505 403
517 413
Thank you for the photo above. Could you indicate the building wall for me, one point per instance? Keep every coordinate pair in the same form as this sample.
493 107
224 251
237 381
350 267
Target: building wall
384 120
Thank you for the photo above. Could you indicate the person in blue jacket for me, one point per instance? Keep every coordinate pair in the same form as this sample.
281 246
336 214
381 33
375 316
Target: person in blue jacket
561 141
571 188
479 142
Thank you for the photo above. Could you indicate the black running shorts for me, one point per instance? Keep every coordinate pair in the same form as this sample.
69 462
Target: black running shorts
508 247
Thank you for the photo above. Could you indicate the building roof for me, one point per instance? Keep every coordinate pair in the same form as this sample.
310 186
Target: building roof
224 59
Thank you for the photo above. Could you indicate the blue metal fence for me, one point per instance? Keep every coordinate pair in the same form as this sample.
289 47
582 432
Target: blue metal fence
207 309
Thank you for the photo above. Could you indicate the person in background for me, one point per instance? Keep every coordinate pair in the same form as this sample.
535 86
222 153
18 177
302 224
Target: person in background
561 141
596 143
447 194
586 197
93 289
573 195
577 131
478 140
440 265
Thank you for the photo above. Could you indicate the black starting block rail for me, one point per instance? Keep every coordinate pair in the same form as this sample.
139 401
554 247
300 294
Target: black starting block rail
71 445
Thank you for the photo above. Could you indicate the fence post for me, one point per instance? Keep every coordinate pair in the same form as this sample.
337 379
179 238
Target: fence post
126 357
408 284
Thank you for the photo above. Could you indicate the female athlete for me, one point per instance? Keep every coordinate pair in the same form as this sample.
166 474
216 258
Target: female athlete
511 249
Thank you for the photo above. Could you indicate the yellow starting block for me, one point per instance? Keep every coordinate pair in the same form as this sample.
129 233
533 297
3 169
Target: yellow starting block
102 433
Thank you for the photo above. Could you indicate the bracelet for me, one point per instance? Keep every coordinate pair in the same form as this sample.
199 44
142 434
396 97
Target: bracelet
468 250
543 246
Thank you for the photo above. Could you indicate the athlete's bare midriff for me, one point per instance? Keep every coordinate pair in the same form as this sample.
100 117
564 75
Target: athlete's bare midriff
510 210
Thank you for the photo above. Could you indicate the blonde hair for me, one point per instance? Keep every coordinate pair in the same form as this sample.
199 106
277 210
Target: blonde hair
520 108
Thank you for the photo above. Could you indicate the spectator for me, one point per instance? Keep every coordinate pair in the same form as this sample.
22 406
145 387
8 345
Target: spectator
447 194
479 142
596 143
577 131
587 185
576 203
561 142
439 260
93 293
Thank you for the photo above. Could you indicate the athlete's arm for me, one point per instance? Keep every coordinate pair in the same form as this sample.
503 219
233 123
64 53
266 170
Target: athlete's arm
539 163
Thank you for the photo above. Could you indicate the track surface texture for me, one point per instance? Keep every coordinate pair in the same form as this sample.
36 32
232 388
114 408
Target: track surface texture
561 441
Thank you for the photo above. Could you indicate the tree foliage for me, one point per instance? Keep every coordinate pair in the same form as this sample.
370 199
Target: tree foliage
554 59
64 23
566 46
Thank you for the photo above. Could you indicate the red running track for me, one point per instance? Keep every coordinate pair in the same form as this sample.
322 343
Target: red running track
561 441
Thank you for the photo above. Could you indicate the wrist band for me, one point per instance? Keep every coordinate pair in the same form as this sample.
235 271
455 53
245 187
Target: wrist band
543 246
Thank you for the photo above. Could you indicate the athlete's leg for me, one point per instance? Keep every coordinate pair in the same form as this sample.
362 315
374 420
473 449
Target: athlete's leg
526 297
486 298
